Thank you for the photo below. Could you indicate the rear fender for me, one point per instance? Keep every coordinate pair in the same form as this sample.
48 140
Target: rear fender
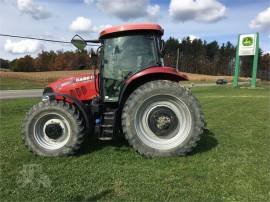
149 74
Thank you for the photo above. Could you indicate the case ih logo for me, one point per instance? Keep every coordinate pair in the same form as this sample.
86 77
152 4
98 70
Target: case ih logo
85 78
247 41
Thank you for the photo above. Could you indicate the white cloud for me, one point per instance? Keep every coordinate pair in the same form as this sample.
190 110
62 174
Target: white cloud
197 10
35 10
153 11
127 9
23 47
123 9
262 21
193 37
89 2
85 25
82 25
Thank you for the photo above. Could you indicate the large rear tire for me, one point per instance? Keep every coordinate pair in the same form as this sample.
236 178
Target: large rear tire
53 128
162 118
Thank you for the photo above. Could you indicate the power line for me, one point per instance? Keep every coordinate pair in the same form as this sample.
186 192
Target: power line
40 39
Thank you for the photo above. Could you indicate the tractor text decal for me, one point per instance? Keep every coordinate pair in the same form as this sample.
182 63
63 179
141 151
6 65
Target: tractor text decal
85 78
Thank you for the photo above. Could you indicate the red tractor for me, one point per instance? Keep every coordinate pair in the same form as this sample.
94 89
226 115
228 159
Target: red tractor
132 93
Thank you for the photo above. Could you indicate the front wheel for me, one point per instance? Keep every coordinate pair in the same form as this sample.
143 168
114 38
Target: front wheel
162 118
53 128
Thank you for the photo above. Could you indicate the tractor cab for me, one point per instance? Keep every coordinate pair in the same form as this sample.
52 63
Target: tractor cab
125 50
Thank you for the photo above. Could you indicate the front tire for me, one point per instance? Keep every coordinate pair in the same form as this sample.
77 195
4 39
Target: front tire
162 118
53 128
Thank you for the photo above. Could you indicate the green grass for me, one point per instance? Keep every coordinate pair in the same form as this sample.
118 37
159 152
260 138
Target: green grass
19 84
230 163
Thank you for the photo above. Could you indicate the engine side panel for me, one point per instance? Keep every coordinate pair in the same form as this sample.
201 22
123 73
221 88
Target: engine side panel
83 87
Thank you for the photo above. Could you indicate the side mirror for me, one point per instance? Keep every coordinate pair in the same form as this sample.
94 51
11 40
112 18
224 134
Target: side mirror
79 42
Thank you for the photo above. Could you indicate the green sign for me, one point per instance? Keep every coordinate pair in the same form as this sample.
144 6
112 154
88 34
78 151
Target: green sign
248 44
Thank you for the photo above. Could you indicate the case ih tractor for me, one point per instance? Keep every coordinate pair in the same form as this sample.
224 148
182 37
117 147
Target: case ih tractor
132 93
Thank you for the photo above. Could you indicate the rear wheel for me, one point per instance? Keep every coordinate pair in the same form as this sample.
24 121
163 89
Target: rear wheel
53 129
161 118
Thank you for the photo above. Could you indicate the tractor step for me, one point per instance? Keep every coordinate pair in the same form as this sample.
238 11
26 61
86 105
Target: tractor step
107 131
105 138
109 113
108 118
107 125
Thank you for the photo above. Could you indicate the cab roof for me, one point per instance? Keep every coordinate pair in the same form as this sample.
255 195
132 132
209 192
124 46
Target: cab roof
131 28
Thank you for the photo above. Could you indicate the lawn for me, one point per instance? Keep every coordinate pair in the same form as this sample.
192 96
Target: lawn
19 84
230 163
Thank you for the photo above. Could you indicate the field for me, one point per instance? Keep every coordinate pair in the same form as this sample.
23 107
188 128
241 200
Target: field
34 80
53 75
24 80
20 84
41 76
230 163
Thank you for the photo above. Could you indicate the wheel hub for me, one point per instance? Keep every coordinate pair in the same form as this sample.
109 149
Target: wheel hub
162 121
54 131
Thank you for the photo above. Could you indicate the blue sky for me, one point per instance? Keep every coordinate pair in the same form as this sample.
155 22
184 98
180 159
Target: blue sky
220 20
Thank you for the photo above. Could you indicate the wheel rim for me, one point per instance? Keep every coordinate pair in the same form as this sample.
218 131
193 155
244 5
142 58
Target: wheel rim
51 131
163 122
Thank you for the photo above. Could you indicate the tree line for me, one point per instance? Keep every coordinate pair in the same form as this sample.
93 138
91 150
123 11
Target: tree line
197 56
194 56
50 61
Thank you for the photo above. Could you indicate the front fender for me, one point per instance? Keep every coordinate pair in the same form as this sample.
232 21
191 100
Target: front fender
80 106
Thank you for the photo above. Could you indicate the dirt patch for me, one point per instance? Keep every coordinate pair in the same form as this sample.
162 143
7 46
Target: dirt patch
202 77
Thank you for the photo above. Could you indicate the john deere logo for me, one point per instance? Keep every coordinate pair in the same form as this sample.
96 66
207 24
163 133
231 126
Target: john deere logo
247 41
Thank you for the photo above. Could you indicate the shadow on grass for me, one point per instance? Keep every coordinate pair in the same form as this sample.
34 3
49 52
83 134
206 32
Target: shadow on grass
206 143
93 144
95 197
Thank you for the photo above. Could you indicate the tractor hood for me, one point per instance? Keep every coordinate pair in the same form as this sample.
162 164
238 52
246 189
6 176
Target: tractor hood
82 87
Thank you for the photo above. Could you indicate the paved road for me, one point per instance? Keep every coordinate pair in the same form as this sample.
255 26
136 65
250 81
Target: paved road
10 94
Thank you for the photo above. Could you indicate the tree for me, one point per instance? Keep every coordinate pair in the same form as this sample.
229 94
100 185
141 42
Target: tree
13 64
45 60
25 64
212 50
171 46
4 64
264 66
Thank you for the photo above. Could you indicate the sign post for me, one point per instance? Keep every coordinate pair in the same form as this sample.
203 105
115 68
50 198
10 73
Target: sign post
237 64
255 63
248 44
